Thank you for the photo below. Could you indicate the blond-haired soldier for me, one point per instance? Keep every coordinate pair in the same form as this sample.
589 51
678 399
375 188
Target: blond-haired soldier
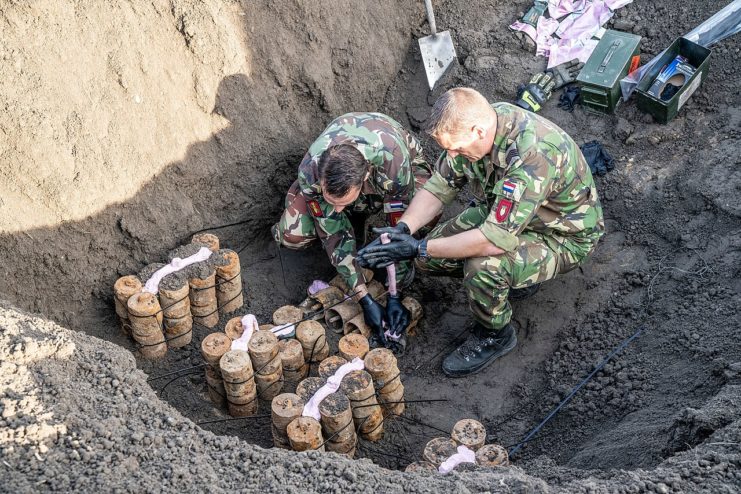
537 214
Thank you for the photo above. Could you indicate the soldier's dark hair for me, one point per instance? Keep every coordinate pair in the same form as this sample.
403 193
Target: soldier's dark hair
342 168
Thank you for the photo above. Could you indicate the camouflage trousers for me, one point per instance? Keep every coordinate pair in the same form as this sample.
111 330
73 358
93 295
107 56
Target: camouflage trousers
296 229
488 280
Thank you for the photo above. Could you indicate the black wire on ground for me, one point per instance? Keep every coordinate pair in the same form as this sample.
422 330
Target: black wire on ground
229 419
566 400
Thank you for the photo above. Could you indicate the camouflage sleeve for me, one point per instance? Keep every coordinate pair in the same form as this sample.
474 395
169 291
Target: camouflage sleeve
336 233
519 194
447 179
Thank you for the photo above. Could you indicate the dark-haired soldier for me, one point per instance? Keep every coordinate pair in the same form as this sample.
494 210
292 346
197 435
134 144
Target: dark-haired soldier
361 162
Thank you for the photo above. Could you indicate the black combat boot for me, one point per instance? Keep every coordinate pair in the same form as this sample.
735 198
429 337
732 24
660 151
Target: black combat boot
523 293
482 348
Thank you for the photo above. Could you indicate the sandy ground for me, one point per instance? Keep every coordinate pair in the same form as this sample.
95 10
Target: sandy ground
235 92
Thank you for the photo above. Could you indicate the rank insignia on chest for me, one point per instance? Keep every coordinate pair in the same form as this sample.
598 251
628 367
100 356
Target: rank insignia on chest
315 208
503 207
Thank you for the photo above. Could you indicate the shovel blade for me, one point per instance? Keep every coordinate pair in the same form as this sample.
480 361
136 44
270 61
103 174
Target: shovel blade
438 53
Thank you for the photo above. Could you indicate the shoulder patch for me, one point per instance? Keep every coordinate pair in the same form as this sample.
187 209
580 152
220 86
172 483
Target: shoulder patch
315 208
503 207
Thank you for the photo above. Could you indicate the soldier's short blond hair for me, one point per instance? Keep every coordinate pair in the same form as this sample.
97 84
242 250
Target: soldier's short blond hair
458 110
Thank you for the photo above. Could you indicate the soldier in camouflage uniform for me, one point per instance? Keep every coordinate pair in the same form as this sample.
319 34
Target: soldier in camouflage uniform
537 214
392 167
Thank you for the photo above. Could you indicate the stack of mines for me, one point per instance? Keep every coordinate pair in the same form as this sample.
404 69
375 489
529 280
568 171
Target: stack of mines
239 383
329 366
285 409
203 303
313 340
174 294
124 288
145 316
352 346
367 414
338 424
382 365
305 433
213 347
295 367
229 287
288 314
266 361
207 240
469 433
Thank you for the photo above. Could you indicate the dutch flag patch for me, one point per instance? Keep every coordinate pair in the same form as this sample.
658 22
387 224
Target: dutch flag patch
509 187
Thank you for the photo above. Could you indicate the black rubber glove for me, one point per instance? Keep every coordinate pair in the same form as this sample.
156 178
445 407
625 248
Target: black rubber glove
373 314
565 73
400 227
536 92
402 246
398 316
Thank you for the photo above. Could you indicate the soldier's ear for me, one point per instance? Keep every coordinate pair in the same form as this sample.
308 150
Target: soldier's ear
479 131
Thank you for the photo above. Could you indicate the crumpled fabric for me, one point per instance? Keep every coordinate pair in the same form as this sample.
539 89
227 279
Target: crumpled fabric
568 99
569 49
584 25
153 284
317 286
559 8
249 326
286 329
598 159
311 409
464 455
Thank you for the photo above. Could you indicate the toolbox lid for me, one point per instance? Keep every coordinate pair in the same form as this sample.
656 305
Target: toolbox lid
609 59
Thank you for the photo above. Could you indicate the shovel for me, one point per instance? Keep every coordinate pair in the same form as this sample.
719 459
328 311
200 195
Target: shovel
437 49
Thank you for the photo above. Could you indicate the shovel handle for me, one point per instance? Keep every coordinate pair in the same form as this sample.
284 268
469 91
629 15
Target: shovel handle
430 17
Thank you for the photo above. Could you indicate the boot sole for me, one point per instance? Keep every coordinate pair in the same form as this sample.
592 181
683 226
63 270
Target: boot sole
486 364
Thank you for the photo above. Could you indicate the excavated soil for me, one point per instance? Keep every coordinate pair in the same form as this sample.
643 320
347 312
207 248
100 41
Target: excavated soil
130 126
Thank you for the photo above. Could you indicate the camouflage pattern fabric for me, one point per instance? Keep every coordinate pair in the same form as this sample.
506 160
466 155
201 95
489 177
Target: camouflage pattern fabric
398 169
536 201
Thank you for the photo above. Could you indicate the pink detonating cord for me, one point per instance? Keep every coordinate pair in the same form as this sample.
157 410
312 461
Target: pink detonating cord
391 275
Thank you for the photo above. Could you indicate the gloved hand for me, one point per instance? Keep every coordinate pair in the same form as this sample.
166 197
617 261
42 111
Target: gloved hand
374 317
400 227
402 246
397 315
532 15
536 92
565 73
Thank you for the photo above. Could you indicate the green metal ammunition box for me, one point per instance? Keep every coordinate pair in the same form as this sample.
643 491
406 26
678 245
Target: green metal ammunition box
616 54
697 55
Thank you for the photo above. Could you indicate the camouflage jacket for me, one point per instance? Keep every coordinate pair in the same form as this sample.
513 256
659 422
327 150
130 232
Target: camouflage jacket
392 153
535 178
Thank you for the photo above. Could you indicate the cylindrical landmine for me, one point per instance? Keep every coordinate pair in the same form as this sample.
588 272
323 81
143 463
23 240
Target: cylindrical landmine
421 466
313 339
469 433
340 314
288 314
305 434
367 414
329 296
229 294
382 365
284 409
338 424
146 324
265 327
295 367
329 365
264 351
352 346
208 239
175 300
203 303
215 385
339 282
124 288
213 347
416 312
239 383
308 387
233 328
439 449
492 455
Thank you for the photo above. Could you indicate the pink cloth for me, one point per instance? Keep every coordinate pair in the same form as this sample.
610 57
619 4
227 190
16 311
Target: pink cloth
391 268
311 409
153 283
569 49
464 455
249 326
317 286
559 8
